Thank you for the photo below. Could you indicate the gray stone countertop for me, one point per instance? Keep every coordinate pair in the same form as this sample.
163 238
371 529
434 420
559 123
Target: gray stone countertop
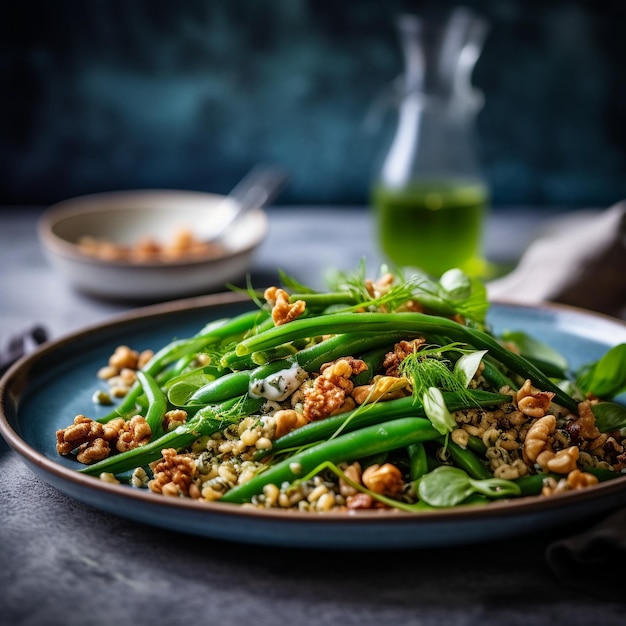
65 563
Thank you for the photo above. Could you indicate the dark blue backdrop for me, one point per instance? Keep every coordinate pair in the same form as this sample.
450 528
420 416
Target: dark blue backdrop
115 94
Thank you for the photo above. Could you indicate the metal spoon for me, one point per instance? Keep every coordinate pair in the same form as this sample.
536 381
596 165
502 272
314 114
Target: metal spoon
257 189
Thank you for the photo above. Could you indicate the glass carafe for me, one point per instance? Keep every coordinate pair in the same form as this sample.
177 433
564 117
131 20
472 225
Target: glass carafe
430 196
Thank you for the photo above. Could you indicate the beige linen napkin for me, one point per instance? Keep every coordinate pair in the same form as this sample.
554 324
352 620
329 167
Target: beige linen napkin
578 259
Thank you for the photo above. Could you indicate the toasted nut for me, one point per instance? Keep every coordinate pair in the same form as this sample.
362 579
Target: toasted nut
383 479
564 461
537 437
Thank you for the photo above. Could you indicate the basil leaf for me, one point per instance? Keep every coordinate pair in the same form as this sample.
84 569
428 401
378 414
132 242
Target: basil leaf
606 377
609 416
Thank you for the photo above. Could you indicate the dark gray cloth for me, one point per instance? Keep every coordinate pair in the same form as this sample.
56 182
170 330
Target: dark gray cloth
21 344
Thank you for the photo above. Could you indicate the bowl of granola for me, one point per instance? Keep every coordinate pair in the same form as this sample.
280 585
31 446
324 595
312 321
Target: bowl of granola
144 244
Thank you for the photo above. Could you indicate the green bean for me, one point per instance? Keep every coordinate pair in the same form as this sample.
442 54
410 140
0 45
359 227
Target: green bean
532 485
157 404
321 301
267 356
235 383
548 368
435 304
465 459
418 461
603 474
143 455
348 447
231 361
213 332
417 323
311 359
374 360
476 445
375 413
206 421
166 355
196 377
496 378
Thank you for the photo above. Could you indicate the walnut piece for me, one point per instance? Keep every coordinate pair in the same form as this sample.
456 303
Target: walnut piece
124 357
286 420
93 441
380 287
113 429
86 437
561 462
532 402
573 481
173 474
537 437
579 480
401 350
173 419
283 311
327 393
96 450
352 472
136 432
121 370
360 501
183 245
384 479
586 422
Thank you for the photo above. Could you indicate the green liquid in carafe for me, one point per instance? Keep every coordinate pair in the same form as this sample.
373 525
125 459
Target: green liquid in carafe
432 226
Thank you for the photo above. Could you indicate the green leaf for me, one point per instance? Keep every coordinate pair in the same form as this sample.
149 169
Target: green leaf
609 416
180 389
532 348
449 486
606 377
467 296
437 411
467 366
445 486
289 282
456 284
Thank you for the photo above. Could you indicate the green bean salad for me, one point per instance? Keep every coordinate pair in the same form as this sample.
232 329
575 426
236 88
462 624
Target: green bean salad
389 393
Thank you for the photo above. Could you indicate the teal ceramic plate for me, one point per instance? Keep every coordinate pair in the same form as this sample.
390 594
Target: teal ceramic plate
45 390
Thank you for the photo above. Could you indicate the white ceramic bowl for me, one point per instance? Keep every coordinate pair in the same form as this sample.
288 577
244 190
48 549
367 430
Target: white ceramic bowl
124 217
